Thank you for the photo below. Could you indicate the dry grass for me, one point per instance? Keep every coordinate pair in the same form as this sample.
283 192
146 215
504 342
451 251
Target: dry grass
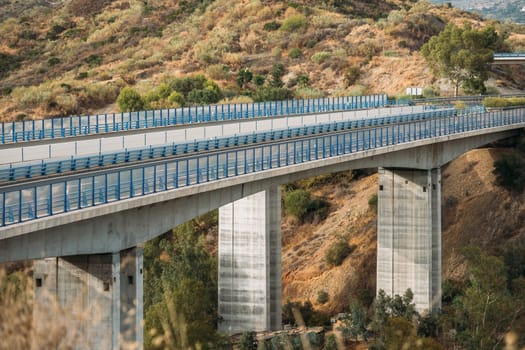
23 328
141 41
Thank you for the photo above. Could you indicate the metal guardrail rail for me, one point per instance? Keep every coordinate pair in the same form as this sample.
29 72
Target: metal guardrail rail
509 54
47 197
73 126
53 167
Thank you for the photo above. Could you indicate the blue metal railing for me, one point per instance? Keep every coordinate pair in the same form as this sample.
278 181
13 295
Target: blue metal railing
509 54
114 122
15 171
31 201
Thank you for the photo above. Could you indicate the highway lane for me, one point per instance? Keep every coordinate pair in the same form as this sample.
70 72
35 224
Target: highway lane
102 143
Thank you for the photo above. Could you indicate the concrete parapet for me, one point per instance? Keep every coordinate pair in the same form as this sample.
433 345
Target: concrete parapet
250 263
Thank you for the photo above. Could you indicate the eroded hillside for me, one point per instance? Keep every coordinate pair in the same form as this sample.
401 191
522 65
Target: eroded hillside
70 57
475 212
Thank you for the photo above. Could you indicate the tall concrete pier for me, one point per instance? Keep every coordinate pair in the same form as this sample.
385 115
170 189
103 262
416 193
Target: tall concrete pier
409 235
250 263
102 295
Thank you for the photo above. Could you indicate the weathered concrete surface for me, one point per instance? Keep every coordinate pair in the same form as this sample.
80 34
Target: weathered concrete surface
250 263
409 235
101 294
124 224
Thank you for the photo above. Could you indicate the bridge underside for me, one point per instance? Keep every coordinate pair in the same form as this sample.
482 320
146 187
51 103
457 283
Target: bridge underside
125 224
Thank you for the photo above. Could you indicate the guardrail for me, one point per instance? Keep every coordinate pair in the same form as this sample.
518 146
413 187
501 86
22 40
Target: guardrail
509 54
31 201
468 99
46 167
72 126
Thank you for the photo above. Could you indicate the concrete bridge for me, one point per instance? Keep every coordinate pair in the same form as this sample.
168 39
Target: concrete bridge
86 216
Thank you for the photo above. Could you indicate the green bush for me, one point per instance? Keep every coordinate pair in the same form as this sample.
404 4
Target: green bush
338 252
295 53
94 60
176 100
330 343
322 297
501 102
276 74
204 96
81 75
294 23
300 204
304 80
258 80
510 173
55 31
352 74
320 57
271 94
218 71
53 61
297 203
372 203
391 53
7 63
244 76
129 100
271 26
248 341
311 317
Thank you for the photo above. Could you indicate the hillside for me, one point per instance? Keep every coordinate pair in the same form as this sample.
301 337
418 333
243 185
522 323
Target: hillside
475 212
71 57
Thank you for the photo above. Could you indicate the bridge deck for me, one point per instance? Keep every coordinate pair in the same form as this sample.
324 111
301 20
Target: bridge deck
46 197
75 126
16 171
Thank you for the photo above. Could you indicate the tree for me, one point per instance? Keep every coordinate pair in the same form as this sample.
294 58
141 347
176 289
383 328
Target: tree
181 301
510 173
129 100
487 309
244 76
248 341
355 325
330 343
297 203
387 308
276 74
463 55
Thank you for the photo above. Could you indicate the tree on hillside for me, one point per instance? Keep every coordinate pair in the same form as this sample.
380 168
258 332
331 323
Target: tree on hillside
487 309
129 100
463 55
181 299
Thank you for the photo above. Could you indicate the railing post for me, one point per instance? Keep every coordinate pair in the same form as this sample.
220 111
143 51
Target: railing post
3 208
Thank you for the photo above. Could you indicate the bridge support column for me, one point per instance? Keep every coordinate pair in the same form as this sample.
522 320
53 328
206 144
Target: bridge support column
102 296
250 263
409 235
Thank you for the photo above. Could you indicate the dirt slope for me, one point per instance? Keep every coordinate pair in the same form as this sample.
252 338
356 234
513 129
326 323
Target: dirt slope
475 212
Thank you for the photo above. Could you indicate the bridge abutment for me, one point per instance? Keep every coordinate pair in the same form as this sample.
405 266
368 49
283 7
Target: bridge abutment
409 235
250 263
102 295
